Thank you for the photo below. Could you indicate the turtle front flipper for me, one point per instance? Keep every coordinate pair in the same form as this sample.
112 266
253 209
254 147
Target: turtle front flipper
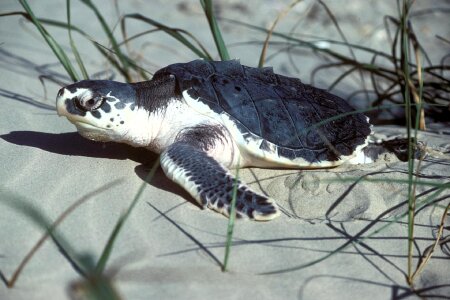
212 185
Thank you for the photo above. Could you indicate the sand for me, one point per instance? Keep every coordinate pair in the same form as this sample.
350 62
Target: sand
171 249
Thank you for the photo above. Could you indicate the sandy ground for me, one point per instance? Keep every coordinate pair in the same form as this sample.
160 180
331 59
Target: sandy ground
170 248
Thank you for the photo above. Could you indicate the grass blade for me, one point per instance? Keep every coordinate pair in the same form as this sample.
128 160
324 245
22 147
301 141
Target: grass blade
406 95
280 16
115 46
57 50
341 33
72 44
99 269
106 52
231 220
430 250
359 236
215 30
174 32
52 227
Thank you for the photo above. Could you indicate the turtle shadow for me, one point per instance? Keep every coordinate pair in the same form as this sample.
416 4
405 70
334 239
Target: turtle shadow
161 181
71 143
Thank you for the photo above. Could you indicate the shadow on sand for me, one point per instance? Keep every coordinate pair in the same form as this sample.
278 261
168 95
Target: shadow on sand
71 143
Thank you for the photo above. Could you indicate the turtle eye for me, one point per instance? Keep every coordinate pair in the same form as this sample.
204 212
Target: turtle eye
89 104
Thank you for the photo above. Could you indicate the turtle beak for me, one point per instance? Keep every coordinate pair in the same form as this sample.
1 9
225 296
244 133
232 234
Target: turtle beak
60 102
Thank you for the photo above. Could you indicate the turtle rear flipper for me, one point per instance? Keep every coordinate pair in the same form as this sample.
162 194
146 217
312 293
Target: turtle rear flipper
397 146
212 185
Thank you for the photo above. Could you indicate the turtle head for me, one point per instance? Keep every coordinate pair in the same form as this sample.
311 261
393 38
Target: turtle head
102 110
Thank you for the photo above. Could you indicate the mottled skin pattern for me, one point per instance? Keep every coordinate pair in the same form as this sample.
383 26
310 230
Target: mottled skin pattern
215 182
207 117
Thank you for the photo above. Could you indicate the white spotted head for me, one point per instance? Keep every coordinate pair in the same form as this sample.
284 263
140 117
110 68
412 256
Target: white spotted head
102 110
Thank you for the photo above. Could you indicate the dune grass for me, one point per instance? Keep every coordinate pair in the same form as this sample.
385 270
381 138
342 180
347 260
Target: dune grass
21 205
406 81
409 84
54 46
97 285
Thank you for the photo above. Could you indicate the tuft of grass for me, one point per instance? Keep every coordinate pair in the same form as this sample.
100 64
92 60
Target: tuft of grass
94 287
124 64
383 69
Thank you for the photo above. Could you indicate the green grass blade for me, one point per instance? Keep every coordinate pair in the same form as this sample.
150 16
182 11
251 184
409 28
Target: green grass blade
57 50
109 55
215 30
73 46
106 52
115 46
174 32
231 220
405 68
99 269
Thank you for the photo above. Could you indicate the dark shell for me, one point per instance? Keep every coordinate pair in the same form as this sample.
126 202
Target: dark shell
279 109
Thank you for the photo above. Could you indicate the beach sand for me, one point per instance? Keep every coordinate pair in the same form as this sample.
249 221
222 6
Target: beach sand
169 248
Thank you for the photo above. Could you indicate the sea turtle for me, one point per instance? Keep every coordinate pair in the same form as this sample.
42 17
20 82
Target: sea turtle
206 117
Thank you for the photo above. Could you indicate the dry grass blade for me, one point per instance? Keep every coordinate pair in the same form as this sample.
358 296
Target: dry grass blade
280 16
404 63
412 209
430 250
418 96
387 80
341 33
